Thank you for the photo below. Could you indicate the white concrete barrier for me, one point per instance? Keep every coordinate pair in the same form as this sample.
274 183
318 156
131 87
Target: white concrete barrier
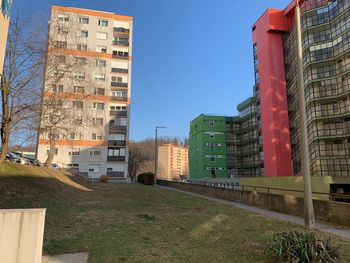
21 235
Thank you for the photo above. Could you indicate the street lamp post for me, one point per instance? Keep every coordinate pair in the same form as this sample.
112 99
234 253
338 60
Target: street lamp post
309 215
156 153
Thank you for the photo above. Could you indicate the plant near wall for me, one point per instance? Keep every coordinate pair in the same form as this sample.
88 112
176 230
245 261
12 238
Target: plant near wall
297 246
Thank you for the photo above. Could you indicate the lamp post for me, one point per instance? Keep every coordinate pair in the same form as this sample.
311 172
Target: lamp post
309 215
156 153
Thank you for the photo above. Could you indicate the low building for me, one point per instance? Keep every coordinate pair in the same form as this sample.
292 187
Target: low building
172 162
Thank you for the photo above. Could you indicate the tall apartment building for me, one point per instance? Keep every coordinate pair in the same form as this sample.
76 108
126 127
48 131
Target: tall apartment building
172 162
88 74
210 145
326 66
4 25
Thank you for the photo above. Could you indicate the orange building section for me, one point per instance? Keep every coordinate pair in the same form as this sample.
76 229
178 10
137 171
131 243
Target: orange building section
92 13
172 162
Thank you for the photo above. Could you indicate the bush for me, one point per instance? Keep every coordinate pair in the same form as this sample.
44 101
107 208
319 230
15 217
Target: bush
104 179
295 246
146 178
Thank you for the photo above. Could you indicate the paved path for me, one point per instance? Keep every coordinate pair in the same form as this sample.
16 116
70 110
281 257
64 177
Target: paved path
66 258
339 231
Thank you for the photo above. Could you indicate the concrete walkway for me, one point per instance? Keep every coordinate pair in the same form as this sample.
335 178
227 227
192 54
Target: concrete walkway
339 231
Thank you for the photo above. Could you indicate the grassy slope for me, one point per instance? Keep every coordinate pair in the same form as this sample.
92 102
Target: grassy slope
134 223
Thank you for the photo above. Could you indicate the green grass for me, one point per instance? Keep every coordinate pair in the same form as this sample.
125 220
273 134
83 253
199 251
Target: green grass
136 223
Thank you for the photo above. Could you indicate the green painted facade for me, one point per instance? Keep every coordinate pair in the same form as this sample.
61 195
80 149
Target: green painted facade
208 151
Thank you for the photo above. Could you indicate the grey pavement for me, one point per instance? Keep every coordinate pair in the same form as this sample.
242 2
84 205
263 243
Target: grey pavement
66 258
339 231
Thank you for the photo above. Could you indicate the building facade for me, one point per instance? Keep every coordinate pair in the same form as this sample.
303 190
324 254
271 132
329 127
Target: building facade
4 25
172 162
326 66
86 97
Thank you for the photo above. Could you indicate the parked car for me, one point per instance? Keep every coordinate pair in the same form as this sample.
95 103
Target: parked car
22 160
12 158
32 161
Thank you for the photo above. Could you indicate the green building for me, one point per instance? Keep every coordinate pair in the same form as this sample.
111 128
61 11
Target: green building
226 147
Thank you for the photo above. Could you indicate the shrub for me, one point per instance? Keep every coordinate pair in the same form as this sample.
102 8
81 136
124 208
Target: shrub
146 178
104 179
296 246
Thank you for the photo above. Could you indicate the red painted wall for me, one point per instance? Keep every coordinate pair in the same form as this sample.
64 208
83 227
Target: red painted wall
267 35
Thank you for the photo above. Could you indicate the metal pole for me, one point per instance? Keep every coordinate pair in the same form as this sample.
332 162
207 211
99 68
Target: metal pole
309 215
156 156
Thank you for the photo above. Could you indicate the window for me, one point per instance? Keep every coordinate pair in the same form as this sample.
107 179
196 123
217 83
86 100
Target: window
100 77
64 18
116 137
119 94
60 44
48 151
102 22
97 121
99 91
117 108
118 122
82 47
80 61
116 152
79 75
102 49
58 88
62 31
72 136
78 89
100 63
117 79
101 35
95 153
78 105
61 59
84 33
96 137
99 105
83 20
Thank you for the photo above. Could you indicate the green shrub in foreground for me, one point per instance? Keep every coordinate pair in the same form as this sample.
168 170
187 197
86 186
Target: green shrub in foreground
146 178
301 247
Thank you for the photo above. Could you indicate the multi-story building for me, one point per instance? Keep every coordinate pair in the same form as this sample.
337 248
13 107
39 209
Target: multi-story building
212 147
4 25
88 74
172 162
326 66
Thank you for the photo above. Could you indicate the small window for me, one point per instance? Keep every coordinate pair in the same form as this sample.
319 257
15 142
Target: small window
82 47
99 91
84 33
102 49
99 105
97 121
80 60
100 77
100 63
101 35
78 105
102 22
78 90
83 20
61 59
63 18
62 31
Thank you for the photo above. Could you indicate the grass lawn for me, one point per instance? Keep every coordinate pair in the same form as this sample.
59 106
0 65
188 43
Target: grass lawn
136 223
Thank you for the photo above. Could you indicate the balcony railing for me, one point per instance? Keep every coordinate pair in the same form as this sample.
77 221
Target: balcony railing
126 57
112 143
121 29
121 43
115 98
120 70
119 84
117 128
118 113
116 158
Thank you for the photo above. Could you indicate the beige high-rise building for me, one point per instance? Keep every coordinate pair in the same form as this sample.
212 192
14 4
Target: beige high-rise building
172 162
4 25
93 51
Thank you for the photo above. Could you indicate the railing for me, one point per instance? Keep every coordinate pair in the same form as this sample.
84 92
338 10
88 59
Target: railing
121 57
120 43
118 113
116 158
115 98
116 143
119 84
236 186
121 30
117 128
120 70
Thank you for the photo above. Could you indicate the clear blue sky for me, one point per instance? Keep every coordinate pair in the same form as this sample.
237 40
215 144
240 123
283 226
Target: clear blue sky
190 56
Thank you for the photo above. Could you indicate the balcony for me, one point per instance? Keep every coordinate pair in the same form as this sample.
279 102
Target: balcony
119 84
116 143
118 113
115 56
121 30
121 43
120 70
117 128
115 158
114 98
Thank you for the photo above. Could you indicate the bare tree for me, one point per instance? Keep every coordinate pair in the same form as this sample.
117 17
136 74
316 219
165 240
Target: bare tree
136 159
21 79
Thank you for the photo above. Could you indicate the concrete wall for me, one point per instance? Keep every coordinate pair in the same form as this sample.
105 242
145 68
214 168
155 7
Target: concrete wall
21 235
334 212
